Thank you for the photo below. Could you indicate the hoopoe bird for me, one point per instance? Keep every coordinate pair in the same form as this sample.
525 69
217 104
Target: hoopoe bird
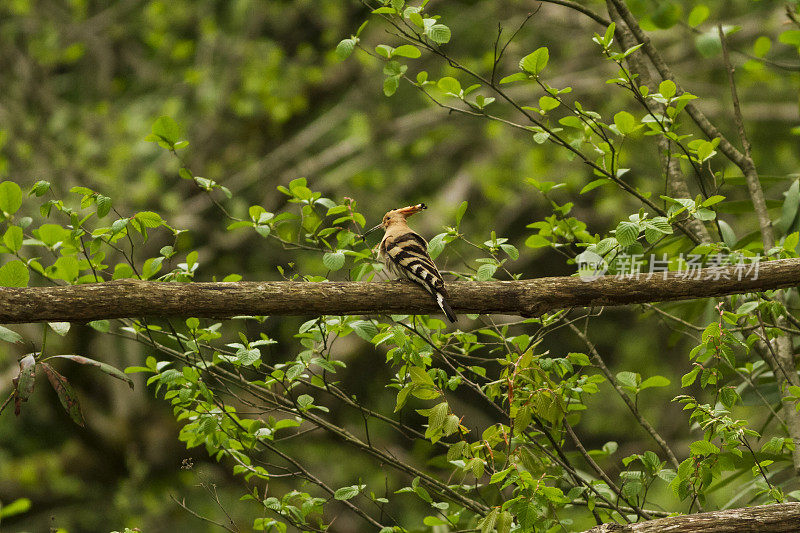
405 253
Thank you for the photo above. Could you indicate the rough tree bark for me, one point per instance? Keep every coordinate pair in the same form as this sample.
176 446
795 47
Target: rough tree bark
778 518
133 298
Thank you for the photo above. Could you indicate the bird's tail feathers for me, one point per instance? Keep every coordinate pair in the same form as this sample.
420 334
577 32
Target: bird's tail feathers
448 311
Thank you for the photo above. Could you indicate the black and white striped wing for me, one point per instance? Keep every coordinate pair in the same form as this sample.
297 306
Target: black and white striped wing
407 255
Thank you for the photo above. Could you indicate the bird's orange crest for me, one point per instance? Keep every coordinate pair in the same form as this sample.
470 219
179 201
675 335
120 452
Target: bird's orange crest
411 209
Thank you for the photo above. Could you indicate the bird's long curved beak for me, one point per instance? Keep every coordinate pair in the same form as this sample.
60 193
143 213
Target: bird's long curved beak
364 235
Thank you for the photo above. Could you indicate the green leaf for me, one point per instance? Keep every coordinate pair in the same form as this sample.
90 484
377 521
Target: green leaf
665 14
705 150
436 245
450 85
608 37
511 251
66 268
26 378
728 397
517 76
482 101
628 379
626 233
548 103
407 50
571 121
390 85
62 328
791 241
13 238
9 336
460 212
690 377
345 48
18 506
247 357
654 381
149 219
790 206
540 137
485 272
103 326
14 274
414 17
333 260
667 88
345 493
698 15
708 43
104 367
712 200
704 214
364 329
167 129
486 524
103 205
535 62
118 225
791 37
504 522
304 401
728 236
436 419
10 197
40 188
419 376
625 122
65 392
703 447
595 184
384 50
537 241
438 33
762 46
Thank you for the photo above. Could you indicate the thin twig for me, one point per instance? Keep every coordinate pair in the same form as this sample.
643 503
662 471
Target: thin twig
182 503
580 8
747 166
633 409
588 458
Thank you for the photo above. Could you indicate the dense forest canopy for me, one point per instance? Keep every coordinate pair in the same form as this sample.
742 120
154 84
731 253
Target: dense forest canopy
211 141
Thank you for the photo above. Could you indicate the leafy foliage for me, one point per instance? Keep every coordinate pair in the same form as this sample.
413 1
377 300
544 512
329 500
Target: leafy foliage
484 426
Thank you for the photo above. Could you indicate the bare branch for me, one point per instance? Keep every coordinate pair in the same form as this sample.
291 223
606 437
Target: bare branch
135 298
747 166
580 9
778 518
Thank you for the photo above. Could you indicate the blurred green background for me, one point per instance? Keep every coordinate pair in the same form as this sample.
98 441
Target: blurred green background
263 100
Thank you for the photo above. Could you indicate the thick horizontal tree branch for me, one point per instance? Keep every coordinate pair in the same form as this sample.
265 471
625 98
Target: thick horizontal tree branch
777 518
134 298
